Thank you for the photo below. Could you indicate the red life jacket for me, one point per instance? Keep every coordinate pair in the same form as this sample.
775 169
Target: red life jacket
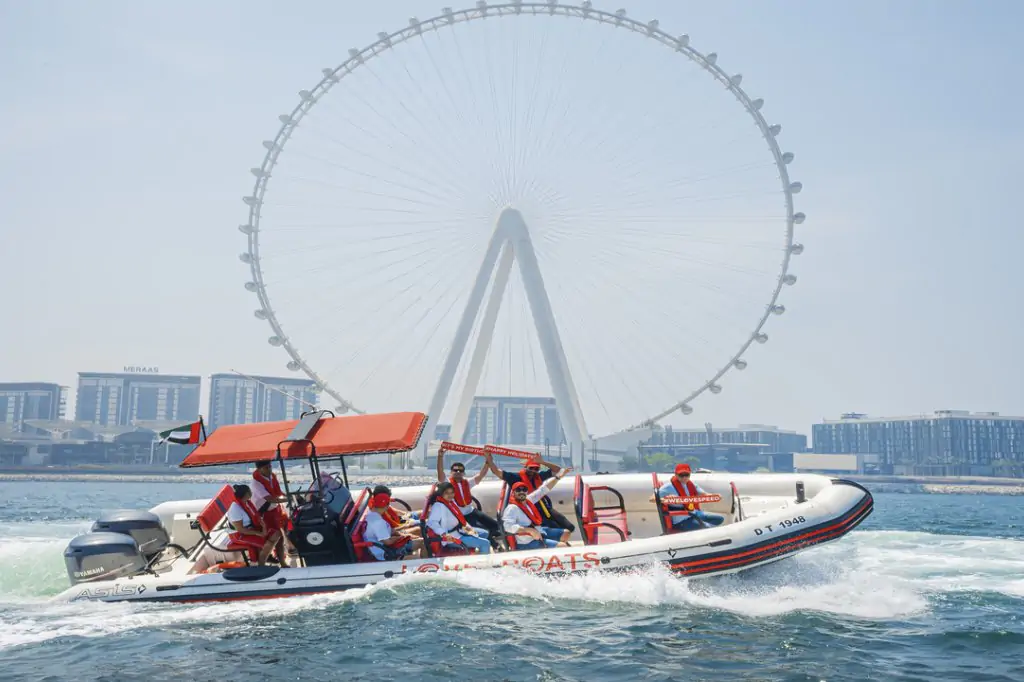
530 509
254 516
690 489
392 517
532 483
456 512
463 497
270 484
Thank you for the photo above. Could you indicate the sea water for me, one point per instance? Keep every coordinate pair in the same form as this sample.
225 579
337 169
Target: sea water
930 587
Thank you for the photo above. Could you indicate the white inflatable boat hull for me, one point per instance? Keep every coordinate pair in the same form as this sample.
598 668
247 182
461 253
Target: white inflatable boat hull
766 525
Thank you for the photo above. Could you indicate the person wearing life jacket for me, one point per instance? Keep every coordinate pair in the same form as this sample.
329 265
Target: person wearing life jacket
680 485
378 530
531 476
447 522
523 518
400 520
464 497
268 499
249 531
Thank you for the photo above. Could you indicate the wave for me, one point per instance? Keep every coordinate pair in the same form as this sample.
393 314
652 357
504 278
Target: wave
873 575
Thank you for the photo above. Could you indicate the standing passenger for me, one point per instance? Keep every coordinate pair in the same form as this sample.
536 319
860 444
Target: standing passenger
464 498
532 477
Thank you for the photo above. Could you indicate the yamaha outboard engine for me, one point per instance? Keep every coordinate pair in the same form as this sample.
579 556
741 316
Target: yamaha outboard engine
143 526
102 556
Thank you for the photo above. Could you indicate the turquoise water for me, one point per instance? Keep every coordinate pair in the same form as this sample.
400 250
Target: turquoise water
930 587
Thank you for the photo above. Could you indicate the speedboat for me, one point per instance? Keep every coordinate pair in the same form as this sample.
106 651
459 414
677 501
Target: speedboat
179 552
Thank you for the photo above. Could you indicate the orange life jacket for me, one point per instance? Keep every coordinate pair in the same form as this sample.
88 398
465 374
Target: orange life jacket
463 497
530 509
392 517
254 515
456 512
532 483
689 489
270 484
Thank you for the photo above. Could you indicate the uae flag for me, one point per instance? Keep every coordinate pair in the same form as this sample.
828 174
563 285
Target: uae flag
183 435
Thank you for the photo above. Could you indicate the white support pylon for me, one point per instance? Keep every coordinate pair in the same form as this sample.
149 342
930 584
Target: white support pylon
512 234
483 343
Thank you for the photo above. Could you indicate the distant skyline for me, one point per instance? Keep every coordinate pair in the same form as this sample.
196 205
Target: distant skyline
128 132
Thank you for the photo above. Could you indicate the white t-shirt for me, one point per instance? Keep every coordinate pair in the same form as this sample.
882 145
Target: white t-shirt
236 514
514 518
440 519
260 494
377 530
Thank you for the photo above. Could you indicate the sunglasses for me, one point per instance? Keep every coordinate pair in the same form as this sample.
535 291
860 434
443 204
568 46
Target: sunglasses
534 469
458 471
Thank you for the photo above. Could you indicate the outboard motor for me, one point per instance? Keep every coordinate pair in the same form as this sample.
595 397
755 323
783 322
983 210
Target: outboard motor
102 556
143 526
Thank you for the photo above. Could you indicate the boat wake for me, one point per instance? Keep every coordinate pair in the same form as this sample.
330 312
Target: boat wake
873 575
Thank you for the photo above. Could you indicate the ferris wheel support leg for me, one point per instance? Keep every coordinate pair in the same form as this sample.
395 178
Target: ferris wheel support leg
511 224
451 363
483 342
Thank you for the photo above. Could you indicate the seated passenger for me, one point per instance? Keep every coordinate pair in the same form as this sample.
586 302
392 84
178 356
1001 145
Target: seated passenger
532 477
446 520
400 520
464 498
249 530
523 518
378 530
680 485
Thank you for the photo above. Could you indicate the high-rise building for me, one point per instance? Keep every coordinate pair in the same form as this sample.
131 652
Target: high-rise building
236 399
31 400
513 421
125 398
946 443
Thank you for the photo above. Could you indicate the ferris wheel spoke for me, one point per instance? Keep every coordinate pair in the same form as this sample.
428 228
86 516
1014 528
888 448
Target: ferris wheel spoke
435 190
652 211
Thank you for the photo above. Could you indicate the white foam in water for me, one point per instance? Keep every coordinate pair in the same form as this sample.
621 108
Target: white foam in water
877 575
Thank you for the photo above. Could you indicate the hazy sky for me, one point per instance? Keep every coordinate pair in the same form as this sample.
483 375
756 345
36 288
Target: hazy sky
127 131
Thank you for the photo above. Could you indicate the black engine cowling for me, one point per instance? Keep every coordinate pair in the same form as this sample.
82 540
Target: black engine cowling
143 526
102 556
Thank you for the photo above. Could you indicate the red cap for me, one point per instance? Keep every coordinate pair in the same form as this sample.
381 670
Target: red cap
380 500
520 486
682 469
532 463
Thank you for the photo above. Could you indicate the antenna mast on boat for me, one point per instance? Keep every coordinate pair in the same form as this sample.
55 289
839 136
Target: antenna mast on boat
277 390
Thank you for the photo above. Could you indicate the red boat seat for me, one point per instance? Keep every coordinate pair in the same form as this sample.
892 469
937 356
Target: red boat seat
600 525
356 520
211 518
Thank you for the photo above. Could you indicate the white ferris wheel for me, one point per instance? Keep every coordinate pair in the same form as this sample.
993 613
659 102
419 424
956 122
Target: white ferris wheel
525 198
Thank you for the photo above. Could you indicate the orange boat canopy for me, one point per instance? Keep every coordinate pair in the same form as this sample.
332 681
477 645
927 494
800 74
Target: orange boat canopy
333 436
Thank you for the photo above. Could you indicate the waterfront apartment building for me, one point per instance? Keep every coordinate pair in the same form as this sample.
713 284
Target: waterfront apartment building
513 420
946 443
122 399
31 400
235 399
752 438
